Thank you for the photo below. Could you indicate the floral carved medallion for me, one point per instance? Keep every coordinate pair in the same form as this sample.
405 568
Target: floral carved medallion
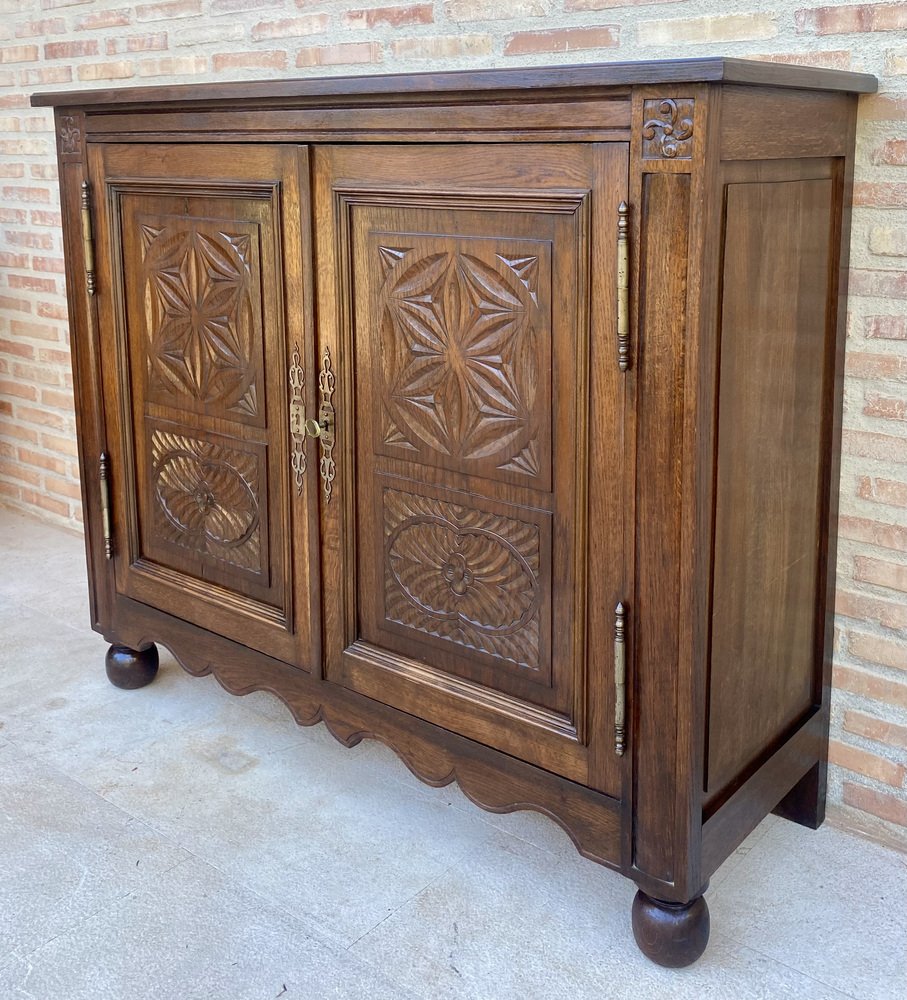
667 130
464 575
460 340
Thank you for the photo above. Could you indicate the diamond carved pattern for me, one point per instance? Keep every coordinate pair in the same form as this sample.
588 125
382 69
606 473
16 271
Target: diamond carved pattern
199 314
460 347
207 498
463 575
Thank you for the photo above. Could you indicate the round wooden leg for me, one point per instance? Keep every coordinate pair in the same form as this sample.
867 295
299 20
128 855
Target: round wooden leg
131 668
671 934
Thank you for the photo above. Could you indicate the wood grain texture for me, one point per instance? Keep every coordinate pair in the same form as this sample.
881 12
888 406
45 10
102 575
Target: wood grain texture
774 351
395 86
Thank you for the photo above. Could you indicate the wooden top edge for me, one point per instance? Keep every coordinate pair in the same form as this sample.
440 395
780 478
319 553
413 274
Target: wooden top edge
524 78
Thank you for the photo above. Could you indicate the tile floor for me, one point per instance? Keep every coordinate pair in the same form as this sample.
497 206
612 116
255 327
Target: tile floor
176 842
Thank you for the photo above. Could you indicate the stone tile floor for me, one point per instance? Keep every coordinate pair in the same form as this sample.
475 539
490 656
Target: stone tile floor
176 842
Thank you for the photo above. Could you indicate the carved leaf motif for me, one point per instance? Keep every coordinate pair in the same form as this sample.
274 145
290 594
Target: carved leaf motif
198 306
70 136
463 575
463 359
207 496
667 131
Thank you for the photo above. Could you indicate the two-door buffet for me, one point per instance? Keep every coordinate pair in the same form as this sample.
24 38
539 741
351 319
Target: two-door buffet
493 415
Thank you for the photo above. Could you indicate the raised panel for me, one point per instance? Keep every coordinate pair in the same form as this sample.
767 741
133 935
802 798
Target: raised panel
469 579
202 310
466 347
208 504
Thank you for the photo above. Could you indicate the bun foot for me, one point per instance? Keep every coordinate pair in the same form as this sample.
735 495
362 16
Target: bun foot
131 668
670 934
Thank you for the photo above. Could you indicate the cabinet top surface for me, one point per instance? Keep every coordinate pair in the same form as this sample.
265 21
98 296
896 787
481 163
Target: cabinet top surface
470 84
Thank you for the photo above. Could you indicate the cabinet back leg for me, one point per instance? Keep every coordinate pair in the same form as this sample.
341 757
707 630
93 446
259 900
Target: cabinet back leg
131 668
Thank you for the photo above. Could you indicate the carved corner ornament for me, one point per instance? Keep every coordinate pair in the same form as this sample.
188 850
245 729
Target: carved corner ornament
667 130
70 136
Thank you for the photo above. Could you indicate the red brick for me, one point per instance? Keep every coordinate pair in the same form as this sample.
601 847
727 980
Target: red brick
523 43
433 47
878 650
13 259
37 241
54 357
17 349
43 418
868 764
64 446
52 310
31 283
71 50
885 327
892 152
41 218
14 470
861 529
867 685
106 71
288 27
839 20
18 193
173 66
15 100
239 6
23 390
16 215
886 491
41 461
341 54
45 502
15 305
52 264
392 17
891 614
6 408
880 195
881 573
37 29
34 331
43 171
171 9
45 74
880 284
12 169
250 60
18 53
886 407
878 730
876 366
24 147
494 10
891 808
63 487
103 19
57 399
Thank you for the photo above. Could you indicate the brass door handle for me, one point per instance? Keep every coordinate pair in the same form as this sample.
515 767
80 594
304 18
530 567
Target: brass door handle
314 429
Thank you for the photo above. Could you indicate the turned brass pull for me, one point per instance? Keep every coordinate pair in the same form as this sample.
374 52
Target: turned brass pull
620 679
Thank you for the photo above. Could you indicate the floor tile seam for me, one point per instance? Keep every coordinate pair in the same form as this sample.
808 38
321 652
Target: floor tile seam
401 905
836 990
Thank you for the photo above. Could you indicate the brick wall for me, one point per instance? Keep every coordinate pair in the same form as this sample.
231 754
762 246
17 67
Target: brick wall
49 44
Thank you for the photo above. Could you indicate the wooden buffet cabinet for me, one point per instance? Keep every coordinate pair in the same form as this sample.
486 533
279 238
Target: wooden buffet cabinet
494 415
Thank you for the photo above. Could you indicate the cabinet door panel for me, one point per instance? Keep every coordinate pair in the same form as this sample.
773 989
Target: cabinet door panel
456 295
202 290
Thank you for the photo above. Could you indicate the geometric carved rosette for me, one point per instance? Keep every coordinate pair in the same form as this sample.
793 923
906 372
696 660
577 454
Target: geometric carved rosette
207 499
463 575
201 324
460 341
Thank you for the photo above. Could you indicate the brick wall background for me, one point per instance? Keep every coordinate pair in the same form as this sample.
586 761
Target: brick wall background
53 44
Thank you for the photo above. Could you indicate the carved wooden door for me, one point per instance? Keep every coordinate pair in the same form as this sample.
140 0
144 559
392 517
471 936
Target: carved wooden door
203 305
473 548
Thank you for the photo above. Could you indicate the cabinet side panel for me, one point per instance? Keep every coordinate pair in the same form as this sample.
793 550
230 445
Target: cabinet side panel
774 351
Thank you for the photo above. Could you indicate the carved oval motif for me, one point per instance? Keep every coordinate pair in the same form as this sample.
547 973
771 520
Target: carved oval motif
204 496
464 574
